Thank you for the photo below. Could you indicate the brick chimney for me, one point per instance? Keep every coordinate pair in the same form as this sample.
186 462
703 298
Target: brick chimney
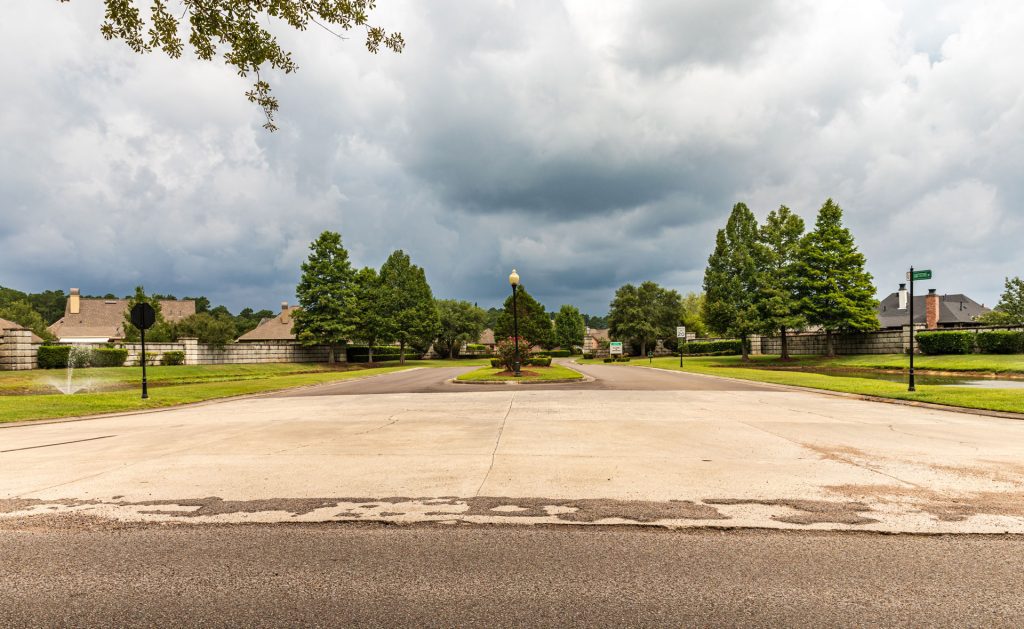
931 309
286 316
74 303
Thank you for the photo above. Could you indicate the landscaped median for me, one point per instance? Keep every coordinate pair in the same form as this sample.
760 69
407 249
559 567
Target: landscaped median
530 373
26 395
771 370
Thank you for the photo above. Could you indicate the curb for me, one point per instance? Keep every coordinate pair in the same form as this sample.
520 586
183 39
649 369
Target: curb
859 396
585 378
174 407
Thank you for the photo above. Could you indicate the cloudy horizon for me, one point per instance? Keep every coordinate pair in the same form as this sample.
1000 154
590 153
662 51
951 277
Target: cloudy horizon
585 144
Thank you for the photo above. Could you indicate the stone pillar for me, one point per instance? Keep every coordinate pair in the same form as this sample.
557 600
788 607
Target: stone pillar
191 348
17 353
931 309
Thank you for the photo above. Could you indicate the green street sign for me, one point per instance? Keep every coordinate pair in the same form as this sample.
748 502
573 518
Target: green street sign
922 275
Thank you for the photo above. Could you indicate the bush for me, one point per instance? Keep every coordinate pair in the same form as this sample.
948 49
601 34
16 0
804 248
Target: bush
541 361
559 353
53 356
1001 342
496 362
475 347
361 354
149 357
506 353
173 358
713 348
946 342
108 357
588 356
622 359
610 359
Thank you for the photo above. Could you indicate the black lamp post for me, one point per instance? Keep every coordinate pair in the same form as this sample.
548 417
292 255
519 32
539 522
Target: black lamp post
513 279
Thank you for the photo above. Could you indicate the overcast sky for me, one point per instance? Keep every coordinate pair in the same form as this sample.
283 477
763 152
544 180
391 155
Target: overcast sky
586 144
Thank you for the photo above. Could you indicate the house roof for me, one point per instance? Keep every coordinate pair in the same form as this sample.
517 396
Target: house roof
955 309
486 337
598 334
103 318
6 324
277 328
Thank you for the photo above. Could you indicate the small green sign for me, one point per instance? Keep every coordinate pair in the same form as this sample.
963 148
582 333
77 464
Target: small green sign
922 275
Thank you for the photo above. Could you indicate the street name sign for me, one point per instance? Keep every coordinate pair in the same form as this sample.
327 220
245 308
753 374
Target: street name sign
615 347
920 275
681 332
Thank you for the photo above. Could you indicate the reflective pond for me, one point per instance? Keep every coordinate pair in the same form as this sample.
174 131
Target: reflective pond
923 379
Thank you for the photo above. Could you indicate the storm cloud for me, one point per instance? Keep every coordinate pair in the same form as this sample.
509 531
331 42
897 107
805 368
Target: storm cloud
586 144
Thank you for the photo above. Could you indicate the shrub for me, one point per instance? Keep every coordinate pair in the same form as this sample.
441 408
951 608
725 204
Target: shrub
496 362
713 348
622 359
108 357
149 357
541 361
506 353
946 342
609 360
588 356
475 347
1001 342
361 353
53 356
173 358
559 353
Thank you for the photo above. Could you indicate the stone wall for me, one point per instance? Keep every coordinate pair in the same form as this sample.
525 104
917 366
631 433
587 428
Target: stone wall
197 353
881 342
17 351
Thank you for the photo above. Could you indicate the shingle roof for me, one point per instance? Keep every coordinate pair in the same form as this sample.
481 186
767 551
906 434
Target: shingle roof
103 318
956 309
273 329
598 334
11 325
486 337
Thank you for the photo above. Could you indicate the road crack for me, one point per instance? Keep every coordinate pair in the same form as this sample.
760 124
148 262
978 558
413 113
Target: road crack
497 442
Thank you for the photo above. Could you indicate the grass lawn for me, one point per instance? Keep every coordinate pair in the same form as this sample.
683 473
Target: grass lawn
1011 400
25 394
491 374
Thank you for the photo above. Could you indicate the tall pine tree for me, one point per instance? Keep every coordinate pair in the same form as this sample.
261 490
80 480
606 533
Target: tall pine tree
835 290
325 295
371 321
778 305
534 323
408 303
730 279
569 327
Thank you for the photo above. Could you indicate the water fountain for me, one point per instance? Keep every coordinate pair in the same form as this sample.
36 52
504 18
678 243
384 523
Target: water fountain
77 357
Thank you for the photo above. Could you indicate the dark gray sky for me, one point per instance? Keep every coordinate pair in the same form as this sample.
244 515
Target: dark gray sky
585 143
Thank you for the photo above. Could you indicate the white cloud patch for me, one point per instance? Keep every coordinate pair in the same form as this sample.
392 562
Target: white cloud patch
587 144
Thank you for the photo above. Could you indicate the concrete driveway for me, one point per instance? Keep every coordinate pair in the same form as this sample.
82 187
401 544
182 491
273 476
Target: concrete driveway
723 454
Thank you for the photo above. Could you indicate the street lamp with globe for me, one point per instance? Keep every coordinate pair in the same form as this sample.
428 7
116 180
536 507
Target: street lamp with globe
513 279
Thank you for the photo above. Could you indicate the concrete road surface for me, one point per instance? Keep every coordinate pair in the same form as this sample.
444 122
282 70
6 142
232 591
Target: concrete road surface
696 452
349 575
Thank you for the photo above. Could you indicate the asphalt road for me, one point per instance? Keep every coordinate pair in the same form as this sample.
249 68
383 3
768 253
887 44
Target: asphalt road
351 575
601 378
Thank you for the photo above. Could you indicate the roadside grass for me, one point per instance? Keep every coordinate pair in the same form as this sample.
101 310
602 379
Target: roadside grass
490 374
25 395
1009 400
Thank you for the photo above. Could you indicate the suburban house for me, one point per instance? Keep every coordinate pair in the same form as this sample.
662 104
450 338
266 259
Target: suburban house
592 339
277 328
487 339
11 325
933 310
88 320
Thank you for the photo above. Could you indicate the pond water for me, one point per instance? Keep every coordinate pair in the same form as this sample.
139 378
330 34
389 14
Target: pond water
924 379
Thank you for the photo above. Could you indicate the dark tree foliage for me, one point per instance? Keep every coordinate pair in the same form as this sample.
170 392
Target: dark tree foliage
534 323
778 304
730 279
644 314
325 293
240 31
460 322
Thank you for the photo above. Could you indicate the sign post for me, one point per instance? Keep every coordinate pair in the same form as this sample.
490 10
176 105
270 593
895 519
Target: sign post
615 348
680 334
914 275
143 318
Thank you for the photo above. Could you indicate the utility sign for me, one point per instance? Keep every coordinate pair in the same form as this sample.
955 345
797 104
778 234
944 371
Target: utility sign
920 275
681 332
615 347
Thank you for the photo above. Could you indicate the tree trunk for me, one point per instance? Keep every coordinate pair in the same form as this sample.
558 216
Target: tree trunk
643 348
830 349
401 352
369 358
330 354
785 343
451 351
744 354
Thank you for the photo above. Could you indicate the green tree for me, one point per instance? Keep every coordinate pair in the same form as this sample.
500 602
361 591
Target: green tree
730 279
241 28
777 301
22 313
835 290
371 321
1010 309
161 332
202 303
215 330
408 303
325 294
692 314
569 327
534 323
596 322
49 304
460 322
644 314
